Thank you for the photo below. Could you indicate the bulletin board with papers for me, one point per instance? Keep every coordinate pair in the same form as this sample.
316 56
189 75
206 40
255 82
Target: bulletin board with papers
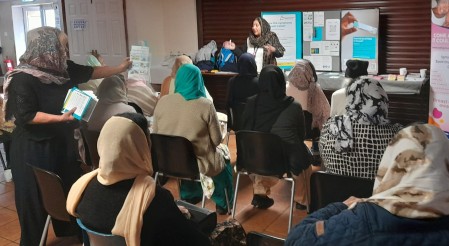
321 39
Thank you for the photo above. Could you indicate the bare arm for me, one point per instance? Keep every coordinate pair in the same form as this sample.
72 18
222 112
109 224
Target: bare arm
107 71
44 118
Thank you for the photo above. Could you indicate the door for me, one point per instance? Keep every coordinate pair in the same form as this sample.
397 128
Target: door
102 28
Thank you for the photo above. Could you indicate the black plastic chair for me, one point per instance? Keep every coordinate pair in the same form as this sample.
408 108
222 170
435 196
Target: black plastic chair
52 196
262 154
91 139
101 239
174 157
326 188
254 238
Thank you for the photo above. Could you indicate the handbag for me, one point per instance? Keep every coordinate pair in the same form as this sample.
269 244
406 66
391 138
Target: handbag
204 218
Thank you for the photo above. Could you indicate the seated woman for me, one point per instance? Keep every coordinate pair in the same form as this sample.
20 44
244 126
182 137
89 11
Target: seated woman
168 85
93 60
242 86
272 111
142 95
353 144
409 205
187 113
303 87
121 197
112 100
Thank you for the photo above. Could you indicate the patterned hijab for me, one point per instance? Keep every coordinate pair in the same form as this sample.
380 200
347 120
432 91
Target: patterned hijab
413 176
124 154
45 58
367 104
189 82
271 100
303 77
266 37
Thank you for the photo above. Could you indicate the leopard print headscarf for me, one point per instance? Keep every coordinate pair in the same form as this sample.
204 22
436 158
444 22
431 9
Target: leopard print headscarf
413 176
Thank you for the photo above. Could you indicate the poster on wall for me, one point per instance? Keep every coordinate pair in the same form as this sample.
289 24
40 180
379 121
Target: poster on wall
360 37
439 67
321 39
287 26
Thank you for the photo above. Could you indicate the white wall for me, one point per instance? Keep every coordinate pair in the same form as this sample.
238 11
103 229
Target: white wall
168 26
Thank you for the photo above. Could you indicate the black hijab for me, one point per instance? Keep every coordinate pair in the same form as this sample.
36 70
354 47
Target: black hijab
247 66
271 100
244 84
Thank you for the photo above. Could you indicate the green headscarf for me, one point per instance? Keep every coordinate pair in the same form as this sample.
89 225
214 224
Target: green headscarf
92 61
189 82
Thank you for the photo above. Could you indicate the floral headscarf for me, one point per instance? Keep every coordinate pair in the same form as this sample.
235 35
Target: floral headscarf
45 58
189 82
413 176
366 103
303 77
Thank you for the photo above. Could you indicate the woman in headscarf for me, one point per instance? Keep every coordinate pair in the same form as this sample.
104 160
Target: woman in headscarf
142 95
409 205
92 84
44 137
273 111
112 100
262 43
168 86
187 113
303 87
242 86
121 197
353 144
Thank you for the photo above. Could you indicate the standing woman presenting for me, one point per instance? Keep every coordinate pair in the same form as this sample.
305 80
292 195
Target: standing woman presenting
262 43
43 137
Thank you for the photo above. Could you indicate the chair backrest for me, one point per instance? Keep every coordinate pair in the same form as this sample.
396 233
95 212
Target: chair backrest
326 188
91 138
101 239
52 193
259 239
261 153
174 156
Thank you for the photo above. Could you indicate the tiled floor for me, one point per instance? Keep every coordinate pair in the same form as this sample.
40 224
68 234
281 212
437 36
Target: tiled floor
273 221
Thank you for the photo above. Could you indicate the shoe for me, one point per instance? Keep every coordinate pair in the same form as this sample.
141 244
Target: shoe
220 210
194 200
261 201
300 206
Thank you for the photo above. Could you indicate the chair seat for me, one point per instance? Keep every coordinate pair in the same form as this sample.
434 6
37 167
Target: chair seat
101 239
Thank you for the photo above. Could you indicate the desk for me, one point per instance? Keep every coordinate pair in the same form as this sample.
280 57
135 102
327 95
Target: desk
409 100
217 85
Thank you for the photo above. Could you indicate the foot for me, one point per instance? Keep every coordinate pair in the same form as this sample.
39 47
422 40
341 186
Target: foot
300 206
194 200
221 210
261 201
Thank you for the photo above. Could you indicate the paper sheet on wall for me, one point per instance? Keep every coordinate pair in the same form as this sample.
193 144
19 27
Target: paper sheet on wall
307 23
325 48
318 18
140 56
323 63
332 29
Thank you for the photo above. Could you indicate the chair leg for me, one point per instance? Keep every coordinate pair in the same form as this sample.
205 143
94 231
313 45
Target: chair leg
235 195
307 184
203 202
292 201
155 177
227 201
227 138
44 233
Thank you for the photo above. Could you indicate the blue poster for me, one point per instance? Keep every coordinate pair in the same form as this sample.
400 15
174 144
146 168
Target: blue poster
364 47
317 33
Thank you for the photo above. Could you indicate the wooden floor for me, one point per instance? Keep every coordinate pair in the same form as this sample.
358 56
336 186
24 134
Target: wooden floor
273 221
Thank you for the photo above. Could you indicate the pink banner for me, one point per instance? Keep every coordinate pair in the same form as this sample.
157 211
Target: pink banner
439 67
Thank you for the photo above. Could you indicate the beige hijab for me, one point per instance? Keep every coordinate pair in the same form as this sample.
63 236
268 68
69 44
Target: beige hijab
303 77
413 176
124 154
